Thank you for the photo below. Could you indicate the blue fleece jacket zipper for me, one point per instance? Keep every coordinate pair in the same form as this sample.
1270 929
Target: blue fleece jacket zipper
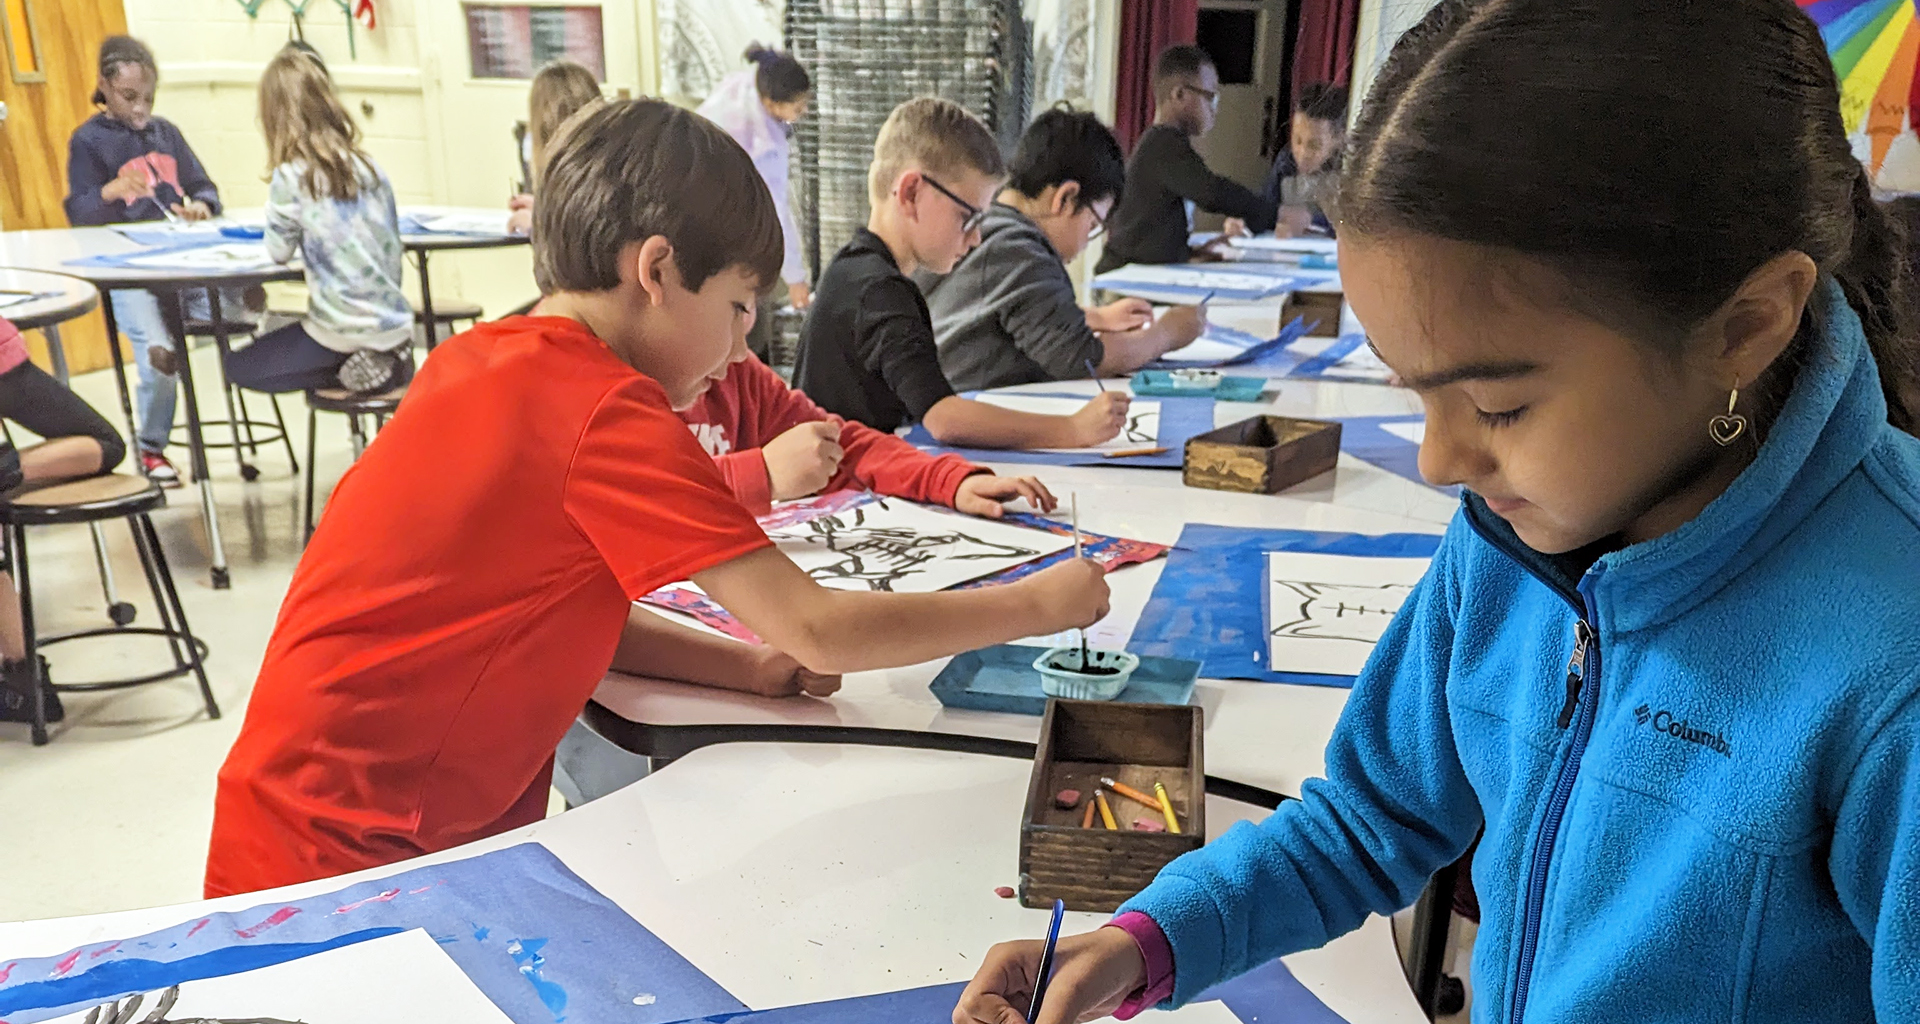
1583 699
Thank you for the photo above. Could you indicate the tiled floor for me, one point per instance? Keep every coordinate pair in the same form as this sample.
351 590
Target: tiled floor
115 812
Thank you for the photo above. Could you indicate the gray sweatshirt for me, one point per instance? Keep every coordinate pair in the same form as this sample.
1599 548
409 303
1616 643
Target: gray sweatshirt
352 254
1007 313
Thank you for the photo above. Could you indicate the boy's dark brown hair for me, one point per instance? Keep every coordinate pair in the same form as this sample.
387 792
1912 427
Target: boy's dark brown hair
621 172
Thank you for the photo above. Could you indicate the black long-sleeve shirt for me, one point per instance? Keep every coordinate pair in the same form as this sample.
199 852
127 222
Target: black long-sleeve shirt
102 147
1150 223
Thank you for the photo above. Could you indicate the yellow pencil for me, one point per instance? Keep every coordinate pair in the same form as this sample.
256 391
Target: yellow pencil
1129 792
1106 812
1166 808
1127 453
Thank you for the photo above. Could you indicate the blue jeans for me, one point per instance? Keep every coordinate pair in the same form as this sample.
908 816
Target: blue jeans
137 313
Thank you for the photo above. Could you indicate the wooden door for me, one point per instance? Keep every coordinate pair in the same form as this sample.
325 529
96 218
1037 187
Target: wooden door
46 82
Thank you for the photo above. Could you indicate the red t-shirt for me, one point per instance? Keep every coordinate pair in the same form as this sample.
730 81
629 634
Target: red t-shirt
752 405
459 603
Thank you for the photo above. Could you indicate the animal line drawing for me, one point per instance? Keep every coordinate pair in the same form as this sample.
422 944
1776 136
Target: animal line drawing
882 556
1326 612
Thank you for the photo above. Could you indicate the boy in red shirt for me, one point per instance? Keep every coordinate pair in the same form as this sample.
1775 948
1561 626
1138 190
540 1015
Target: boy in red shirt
471 581
772 443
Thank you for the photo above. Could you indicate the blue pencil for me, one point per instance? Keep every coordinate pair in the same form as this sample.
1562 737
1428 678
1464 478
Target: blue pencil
1046 961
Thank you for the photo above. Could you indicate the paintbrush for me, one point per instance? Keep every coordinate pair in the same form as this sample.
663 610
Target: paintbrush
1086 657
1095 374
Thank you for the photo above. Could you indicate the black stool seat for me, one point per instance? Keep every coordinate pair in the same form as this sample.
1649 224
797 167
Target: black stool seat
112 496
448 310
207 329
342 400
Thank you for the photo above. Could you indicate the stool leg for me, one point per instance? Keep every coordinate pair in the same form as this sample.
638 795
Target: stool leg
285 437
246 422
149 556
359 435
313 424
180 616
24 582
119 612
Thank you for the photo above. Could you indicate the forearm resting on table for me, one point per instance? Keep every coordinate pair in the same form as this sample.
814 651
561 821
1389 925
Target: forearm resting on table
965 423
652 645
1127 351
838 631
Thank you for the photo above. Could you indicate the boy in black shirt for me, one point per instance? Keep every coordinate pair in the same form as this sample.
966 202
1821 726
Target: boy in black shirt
867 350
1150 223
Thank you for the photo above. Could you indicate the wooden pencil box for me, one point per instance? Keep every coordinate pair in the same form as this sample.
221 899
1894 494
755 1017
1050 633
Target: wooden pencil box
1136 745
1262 455
1322 310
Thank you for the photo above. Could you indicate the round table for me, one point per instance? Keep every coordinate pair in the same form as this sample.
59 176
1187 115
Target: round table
798 874
424 245
57 298
1263 739
54 250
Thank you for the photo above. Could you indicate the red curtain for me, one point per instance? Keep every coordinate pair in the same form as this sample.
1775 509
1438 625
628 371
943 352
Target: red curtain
1146 28
1323 51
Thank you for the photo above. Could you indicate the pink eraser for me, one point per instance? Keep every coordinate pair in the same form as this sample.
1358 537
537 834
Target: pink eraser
1149 825
1005 892
1067 799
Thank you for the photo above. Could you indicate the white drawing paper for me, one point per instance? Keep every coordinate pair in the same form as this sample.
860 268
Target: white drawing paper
1325 612
397 979
1268 243
1415 431
1143 278
224 256
907 548
462 222
1143 419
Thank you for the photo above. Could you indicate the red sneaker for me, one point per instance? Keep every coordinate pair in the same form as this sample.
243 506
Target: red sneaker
159 470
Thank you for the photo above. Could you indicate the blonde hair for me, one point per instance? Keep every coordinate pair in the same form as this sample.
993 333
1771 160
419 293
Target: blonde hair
939 137
561 89
304 120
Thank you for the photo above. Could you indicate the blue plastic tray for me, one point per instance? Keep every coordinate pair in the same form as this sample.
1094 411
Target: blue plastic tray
1230 389
1001 678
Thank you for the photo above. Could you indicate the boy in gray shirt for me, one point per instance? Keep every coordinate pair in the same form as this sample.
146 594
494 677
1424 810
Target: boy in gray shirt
1007 314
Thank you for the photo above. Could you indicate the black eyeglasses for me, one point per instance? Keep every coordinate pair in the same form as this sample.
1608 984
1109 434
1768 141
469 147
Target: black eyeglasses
1099 224
975 215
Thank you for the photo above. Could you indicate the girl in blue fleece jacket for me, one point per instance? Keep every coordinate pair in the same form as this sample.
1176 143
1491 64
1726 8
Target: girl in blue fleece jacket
1668 656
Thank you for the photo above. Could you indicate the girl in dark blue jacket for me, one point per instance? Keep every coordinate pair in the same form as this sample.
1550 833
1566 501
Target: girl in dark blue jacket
1668 655
125 165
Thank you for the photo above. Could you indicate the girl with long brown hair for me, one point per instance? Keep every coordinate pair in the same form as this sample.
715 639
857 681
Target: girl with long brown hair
330 203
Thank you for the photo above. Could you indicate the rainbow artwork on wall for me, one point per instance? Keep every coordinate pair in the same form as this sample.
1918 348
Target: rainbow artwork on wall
1874 45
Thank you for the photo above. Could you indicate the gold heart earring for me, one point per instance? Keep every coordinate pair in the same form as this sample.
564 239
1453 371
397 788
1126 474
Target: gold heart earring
1727 428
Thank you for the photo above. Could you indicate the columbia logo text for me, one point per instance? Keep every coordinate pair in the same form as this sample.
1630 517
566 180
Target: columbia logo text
1665 724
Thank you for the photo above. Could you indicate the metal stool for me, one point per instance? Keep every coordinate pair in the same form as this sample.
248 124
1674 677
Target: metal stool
239 421
447 311
340 400
93 500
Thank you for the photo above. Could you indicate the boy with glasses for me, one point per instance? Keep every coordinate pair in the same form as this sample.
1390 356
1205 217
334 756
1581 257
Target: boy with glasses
1007 314
867 350
1151 222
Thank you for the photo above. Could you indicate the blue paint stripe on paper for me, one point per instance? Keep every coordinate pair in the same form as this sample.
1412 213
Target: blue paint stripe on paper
1317 365
536 939
1180 419
1270 994
1210 602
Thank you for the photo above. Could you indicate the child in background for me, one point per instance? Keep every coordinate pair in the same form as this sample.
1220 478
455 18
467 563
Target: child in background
78 442
759 108
472 579
1305 177
867 351
774 444
1007 314
1151 223
559 89
329 202
126 165
1666 656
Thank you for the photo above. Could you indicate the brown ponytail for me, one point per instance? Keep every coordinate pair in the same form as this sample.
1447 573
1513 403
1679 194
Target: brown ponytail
1879 285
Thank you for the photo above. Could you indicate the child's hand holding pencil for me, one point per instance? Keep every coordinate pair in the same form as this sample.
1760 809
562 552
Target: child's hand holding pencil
1093 974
